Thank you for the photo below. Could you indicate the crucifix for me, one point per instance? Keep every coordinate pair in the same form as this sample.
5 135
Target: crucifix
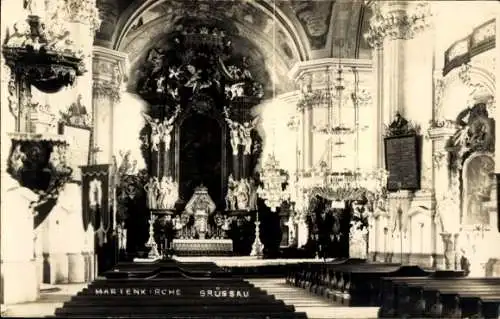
93 154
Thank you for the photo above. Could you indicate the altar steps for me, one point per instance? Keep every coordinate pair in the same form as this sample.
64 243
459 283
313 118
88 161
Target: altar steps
173 290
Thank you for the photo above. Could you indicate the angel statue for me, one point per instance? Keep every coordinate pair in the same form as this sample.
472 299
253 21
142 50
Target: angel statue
167 127
156 131
235 134
155 57
195 81
246 135
124 165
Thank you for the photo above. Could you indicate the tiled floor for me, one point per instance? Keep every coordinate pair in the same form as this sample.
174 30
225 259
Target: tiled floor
47 303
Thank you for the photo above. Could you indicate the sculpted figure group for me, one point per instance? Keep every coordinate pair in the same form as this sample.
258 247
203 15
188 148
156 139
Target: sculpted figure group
161 194
161 131
241 134
241 195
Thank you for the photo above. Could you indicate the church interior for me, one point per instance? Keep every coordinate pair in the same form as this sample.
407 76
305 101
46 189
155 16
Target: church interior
250 158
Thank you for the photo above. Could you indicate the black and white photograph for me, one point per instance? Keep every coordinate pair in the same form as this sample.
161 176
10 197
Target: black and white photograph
249 159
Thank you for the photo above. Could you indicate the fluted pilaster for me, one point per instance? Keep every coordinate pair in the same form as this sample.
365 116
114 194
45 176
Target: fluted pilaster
109 69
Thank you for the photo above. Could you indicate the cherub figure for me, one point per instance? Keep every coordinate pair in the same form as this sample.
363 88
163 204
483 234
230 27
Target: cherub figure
195 78
174 72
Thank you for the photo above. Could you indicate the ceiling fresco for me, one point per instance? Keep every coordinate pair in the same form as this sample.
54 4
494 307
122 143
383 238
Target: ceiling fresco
279 33
307 29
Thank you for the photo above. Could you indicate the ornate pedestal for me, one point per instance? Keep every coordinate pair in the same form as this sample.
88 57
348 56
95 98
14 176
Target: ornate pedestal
200 232
203 247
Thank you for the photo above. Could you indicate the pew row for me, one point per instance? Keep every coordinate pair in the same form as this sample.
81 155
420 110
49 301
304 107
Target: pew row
440 297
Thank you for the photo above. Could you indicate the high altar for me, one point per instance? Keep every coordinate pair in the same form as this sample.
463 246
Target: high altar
200 142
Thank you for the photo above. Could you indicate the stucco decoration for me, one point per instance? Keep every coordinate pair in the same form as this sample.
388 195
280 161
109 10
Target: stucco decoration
243 41
314 16
248 14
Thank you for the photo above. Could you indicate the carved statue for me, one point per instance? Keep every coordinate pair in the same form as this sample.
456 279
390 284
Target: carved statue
124 166
160 84
174 72
475 132
20 35
156 132
168 126
17 160
151 189
246 135
122 236
252 202
12 99
155 57
234 133
163 193
195 81
399 125
235 90
77 113
231 195
167 196
243 194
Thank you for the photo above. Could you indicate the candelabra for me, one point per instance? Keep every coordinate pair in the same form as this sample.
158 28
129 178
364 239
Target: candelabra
272 192
151 243
257 246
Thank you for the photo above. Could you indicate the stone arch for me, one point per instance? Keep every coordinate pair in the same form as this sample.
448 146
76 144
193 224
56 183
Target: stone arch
461 85
477 184
138 7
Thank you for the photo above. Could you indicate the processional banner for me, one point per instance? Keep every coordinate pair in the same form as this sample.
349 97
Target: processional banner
79 148
95 197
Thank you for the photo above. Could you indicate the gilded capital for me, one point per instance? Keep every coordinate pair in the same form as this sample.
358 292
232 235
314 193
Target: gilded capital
109 68
397 20
102 89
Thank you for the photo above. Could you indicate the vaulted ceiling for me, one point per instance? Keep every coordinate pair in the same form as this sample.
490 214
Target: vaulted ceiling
282 31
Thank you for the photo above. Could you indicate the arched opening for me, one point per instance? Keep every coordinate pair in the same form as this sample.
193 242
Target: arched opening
201 156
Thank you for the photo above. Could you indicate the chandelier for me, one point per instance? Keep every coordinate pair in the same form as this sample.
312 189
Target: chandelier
272 176
273 179
342 180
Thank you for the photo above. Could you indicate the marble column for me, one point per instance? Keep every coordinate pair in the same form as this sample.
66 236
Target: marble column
497 117
84 22
400 35
109 69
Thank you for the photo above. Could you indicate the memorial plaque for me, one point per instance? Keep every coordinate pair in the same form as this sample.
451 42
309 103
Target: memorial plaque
402 160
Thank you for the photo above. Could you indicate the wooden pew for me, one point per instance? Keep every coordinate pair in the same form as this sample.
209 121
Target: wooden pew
440 297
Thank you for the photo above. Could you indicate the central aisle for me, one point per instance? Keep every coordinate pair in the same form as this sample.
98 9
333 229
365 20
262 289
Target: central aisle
315 307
